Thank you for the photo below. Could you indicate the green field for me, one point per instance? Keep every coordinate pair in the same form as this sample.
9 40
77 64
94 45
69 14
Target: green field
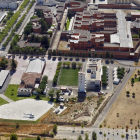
68 77
2 101
11 93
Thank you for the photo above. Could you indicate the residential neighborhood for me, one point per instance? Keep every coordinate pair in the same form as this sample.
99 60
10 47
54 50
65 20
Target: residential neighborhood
69 69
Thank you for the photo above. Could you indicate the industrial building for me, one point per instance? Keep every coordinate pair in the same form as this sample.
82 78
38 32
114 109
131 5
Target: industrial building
10 4
3 75
91 78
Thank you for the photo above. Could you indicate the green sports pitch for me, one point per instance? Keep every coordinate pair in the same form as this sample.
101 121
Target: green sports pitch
68 77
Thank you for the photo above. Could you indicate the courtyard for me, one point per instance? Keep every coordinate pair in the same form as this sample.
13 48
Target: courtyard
68 77
27 109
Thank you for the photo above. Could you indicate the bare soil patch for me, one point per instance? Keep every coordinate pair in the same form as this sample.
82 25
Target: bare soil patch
125 108
63 45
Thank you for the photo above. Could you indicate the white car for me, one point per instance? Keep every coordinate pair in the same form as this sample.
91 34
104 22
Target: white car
101 92
61 99
57 111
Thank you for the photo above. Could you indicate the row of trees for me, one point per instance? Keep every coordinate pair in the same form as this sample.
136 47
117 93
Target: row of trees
128 93
120 72
73 64
89 54
10 14
136 79
28 50
42 85
18 24
14 41
104 76
44 40
57 73
135 36
12 21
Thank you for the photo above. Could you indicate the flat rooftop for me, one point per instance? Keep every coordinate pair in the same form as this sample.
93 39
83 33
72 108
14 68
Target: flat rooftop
95 65
35 65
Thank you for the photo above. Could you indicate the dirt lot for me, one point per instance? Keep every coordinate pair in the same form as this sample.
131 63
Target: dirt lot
62 45
127 107
77 111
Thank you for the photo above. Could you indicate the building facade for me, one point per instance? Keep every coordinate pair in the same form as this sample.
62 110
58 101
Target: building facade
81 82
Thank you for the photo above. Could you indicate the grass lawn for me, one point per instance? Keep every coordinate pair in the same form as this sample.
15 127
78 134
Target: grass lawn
67 24
2 101
11 93
68 77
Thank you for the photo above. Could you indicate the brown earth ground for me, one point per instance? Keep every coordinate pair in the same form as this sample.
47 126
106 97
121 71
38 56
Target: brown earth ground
127 107
62 45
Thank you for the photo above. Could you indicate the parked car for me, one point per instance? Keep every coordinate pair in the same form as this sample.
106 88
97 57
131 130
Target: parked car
61 99
57 111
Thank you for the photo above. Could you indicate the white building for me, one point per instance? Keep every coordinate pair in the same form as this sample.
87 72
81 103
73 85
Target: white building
93 73
3 76
10 4
115 76
81 82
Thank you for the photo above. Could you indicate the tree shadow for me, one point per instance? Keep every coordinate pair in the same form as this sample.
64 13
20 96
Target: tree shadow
112 62
54 58
65 58
77 59
25 57
107 62
83 60
70 59
133 96
127 95
49 57
59 58
127 136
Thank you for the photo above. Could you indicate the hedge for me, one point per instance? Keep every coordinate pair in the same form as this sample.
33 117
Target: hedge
55 79
43 83
104 76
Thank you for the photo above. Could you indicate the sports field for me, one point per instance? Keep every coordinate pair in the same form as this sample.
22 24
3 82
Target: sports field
68 77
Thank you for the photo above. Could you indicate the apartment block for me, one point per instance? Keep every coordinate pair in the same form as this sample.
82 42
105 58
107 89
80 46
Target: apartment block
81 82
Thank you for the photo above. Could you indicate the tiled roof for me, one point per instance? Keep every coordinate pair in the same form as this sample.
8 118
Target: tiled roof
30 78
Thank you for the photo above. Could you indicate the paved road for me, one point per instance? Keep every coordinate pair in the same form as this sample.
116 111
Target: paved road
6 98
71 134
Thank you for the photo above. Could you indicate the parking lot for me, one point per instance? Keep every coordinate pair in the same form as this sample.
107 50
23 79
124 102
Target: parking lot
27 109
23 62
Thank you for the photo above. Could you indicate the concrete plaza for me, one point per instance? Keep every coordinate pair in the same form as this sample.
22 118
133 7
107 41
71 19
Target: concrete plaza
27 109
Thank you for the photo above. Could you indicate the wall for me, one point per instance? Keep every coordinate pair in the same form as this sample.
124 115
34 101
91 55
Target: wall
115 6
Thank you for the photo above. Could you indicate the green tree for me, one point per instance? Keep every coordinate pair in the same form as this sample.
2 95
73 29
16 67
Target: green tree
112 55
13 64
77 54
74 64
59 53
39 13
51 93
39 91
107 54
86 137
57 93
45 41
138 72
135 76
38 137
65 54
127 92
55 128
70 54
100 55
13 136
79 137
3 65
54 52
83 54
94 136
95 54
89 54
133 94
44 26
69 15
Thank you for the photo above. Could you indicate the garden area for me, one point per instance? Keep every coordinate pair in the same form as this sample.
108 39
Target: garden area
125 111
104 76
11 92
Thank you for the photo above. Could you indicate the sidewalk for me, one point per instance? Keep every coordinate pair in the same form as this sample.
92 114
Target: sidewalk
6 98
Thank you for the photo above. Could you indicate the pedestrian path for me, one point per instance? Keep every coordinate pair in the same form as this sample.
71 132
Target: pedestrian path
6 98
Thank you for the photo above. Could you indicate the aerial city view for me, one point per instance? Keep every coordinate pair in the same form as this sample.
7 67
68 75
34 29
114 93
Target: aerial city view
69 69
